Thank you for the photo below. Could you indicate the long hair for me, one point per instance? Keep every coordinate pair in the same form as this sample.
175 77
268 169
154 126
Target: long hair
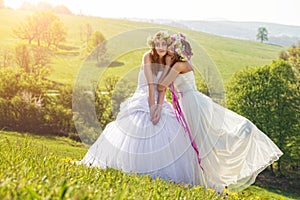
186 50
175 58
156 62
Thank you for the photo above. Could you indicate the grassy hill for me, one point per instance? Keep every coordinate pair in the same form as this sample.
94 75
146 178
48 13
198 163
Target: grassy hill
279 34
229 55
42 167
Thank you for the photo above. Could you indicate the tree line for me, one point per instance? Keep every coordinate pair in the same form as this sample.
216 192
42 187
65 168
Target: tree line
43 6
29 101
42 27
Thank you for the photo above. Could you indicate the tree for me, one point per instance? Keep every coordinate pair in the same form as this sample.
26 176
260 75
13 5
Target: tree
55 34
6 57
86 32
96 47
42 22
31 58
268 96
284 55
96 39
262 34
23 57
60 9
44 6
40 56
293 56
26 30
22 98
42 27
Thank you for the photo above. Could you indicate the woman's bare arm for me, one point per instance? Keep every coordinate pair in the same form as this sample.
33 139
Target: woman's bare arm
169 78
178 67
146 64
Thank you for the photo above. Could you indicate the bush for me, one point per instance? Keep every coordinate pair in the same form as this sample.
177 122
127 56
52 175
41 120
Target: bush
269 97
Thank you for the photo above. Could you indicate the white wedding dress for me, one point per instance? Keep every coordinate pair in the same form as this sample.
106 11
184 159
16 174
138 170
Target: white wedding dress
133 144
232 149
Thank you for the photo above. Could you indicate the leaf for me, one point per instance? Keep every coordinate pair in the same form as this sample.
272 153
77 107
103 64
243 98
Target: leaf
32 193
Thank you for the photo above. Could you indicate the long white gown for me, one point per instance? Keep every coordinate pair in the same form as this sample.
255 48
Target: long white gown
232 149
133 144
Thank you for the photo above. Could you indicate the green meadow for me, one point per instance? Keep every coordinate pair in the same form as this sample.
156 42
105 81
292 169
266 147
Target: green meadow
229 55
42 167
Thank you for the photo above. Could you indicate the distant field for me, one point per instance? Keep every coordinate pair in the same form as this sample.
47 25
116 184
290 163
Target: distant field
229 55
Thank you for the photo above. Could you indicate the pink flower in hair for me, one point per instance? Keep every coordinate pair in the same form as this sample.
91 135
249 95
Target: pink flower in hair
181 46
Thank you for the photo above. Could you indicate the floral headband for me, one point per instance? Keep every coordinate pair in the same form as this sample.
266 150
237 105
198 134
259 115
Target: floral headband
181 46
161 35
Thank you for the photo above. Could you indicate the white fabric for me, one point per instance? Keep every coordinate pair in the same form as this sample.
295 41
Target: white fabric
233 150
133 144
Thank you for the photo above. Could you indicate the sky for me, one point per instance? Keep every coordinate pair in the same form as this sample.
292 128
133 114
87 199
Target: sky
274 11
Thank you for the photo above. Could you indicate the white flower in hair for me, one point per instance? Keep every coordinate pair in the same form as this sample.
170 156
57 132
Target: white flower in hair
161 35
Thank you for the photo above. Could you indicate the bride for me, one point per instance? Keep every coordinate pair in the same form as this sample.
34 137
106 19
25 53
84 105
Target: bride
146 137
232 149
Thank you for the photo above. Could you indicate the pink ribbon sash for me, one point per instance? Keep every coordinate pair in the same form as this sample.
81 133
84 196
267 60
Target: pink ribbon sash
180 117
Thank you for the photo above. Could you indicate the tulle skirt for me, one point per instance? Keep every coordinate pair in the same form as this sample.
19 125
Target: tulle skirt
133 144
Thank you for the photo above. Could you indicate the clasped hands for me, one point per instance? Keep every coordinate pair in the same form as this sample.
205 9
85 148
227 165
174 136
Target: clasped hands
155 113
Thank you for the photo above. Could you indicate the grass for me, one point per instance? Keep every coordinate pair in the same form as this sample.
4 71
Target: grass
41 167
34 167
229 55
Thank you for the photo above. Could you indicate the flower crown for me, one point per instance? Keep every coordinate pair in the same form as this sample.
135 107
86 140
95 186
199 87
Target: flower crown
181 46
161 35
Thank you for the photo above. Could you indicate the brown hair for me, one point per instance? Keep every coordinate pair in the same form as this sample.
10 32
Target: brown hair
175 58
154 59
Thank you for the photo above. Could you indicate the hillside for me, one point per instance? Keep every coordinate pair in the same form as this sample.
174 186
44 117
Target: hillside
279 34
42 167
228 54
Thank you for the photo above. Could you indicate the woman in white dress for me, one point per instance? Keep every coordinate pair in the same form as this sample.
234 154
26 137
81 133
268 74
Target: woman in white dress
233 151
146 137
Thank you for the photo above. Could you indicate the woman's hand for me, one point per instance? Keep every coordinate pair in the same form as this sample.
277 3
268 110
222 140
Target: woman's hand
152 111
161 88
156 115
170 60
